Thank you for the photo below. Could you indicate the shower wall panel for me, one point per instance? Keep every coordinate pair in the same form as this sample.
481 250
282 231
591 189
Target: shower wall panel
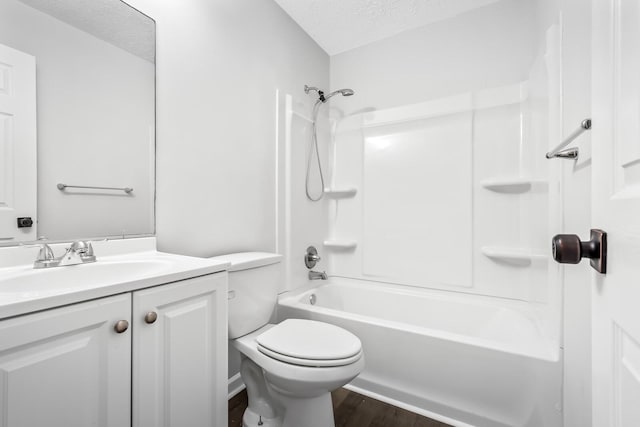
301 223
417 201
447 196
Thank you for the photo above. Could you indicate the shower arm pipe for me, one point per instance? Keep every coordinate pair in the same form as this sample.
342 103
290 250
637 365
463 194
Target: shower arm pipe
571 153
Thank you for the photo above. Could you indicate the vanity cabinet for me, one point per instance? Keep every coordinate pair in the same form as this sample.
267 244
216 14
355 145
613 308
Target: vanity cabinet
180 354
67 366
153 357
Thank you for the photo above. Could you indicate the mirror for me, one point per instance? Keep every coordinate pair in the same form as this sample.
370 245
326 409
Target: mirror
91 100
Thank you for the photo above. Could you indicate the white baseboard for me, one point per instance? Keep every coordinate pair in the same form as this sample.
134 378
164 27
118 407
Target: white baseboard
235 385
406 406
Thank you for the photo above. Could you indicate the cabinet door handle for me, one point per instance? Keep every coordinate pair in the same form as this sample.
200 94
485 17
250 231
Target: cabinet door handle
150 317
121 326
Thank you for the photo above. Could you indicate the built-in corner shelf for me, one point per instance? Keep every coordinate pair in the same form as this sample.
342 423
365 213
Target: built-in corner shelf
340 193
510 185
516 256
344 245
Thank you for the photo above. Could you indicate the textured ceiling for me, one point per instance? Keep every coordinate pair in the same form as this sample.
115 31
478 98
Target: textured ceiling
340 25
110 20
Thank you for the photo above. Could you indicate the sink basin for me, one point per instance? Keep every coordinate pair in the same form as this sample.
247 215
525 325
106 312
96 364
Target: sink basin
24 289
31 282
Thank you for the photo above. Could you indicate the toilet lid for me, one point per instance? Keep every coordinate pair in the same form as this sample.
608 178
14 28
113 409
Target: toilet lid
310 343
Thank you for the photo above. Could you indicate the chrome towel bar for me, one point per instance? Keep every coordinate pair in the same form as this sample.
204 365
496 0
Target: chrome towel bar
62 187
570 153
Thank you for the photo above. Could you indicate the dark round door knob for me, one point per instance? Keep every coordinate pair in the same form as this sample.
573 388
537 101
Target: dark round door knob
566 248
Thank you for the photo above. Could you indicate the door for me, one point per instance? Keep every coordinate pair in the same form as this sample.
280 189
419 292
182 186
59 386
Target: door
180 354
67 366
18 191
616 209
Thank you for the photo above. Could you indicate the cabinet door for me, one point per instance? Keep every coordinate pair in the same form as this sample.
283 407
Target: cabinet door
67 366
180 358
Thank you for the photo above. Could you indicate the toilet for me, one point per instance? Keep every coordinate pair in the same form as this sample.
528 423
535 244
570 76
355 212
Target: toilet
289 368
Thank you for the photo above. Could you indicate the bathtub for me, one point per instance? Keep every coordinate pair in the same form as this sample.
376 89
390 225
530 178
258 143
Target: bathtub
462 359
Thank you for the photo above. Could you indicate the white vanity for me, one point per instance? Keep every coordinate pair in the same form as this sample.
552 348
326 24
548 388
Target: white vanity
137 338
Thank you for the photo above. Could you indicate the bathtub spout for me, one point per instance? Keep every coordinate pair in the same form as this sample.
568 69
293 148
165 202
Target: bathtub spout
316 275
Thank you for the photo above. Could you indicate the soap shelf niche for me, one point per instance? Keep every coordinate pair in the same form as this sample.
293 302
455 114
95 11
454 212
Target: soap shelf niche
515 256
511 185
341 245
340 193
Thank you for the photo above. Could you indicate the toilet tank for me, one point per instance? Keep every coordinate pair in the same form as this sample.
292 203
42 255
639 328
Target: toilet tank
254 279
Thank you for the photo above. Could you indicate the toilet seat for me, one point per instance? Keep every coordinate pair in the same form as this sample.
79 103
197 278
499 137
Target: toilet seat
312 363
310 343
296 379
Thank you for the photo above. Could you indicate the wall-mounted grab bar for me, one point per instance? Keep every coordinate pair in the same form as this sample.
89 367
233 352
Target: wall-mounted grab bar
62 187
570 153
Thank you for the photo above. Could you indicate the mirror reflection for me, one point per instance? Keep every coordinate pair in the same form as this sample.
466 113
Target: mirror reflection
77 120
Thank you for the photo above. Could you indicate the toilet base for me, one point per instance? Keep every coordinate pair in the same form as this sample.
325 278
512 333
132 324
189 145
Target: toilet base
251 419
315 412
307 412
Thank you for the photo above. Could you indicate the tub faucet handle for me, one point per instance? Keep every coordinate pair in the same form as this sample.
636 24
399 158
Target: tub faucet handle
311 258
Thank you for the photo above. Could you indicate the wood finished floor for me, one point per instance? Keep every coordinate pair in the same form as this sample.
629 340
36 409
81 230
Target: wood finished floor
350 410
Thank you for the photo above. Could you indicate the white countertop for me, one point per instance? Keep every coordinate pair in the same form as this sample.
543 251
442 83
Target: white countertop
121 266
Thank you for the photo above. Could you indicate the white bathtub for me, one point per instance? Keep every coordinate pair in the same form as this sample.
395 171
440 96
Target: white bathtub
462 359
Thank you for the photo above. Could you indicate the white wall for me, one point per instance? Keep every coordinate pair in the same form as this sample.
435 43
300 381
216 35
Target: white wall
81 82
219 66
476 50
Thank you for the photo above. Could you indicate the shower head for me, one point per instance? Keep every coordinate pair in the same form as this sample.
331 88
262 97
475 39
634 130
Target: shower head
308 89
346 92
343 92
322 97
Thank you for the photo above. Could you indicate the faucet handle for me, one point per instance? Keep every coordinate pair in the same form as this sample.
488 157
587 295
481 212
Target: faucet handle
82 247
311 257
45 253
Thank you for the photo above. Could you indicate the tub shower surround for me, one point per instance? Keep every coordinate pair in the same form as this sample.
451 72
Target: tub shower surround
440 264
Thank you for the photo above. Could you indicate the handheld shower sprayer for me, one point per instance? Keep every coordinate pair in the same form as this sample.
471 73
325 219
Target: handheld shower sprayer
314 137
322 97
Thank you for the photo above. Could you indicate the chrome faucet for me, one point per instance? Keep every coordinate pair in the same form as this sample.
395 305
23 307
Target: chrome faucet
317 275
80 252
45 257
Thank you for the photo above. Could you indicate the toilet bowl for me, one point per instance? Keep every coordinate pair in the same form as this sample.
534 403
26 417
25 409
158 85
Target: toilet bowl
290 368
298 392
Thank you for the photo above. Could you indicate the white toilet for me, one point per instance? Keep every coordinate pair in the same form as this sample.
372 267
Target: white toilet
289 368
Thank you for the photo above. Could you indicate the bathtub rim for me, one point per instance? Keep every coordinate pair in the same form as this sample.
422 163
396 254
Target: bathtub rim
550 352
